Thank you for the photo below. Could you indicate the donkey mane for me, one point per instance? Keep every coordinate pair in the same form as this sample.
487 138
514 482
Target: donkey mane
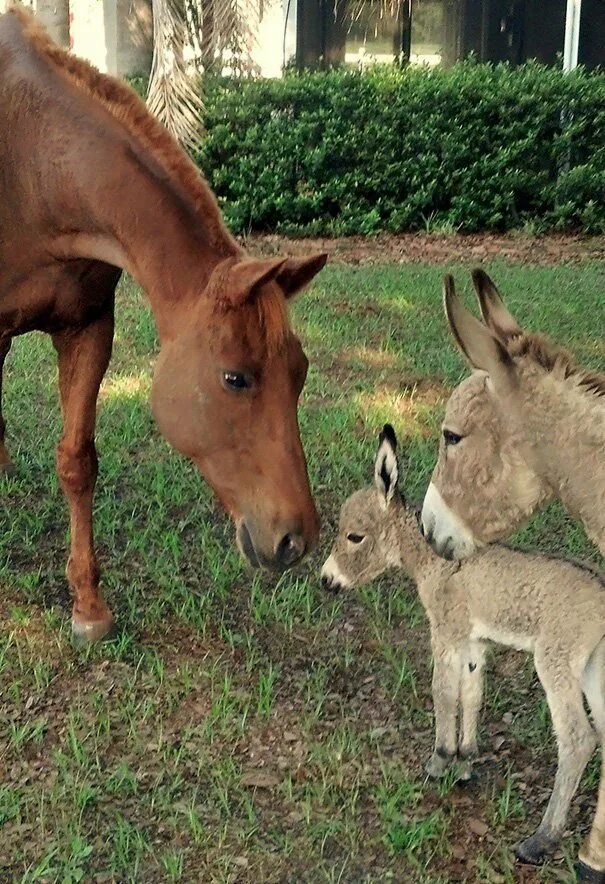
551 358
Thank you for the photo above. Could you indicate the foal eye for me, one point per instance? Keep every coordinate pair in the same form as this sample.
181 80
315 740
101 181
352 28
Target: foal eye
451 438
355 538
235 380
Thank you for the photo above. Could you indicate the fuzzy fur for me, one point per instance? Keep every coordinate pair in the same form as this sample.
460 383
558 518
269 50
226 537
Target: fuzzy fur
551 608
535 436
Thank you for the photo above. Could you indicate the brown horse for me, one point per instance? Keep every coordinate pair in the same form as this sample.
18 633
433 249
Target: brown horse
91 184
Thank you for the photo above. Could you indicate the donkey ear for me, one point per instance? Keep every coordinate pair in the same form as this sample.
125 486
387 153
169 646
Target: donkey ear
386 470
495 315
296 273
481 348
245 276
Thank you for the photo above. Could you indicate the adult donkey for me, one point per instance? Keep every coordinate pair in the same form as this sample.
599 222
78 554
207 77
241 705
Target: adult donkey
527 428
91 184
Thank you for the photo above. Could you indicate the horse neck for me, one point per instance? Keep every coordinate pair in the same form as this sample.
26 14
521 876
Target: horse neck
565 426
136 217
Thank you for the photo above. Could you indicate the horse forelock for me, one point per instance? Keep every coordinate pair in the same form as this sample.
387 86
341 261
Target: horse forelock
272 309
265 308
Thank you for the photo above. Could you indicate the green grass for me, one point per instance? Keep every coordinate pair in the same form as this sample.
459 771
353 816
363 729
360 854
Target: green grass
245 728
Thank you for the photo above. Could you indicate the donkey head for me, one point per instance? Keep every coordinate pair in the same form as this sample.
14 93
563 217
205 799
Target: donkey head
225 394
365 546
483 486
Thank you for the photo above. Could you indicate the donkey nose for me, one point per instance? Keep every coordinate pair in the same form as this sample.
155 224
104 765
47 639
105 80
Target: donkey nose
290 549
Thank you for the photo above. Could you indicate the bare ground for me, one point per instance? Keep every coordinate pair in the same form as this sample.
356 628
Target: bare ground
412 248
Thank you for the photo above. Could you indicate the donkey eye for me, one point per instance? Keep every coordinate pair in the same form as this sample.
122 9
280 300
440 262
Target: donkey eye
451 438
355 538
236 380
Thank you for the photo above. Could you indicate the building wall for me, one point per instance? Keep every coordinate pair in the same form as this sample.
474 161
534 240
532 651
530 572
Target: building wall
592 33
114 35
134 37
544 35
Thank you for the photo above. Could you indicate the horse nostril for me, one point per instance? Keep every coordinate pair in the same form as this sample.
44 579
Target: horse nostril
290 549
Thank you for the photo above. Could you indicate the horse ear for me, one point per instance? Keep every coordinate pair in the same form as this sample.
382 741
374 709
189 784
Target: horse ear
386 469
481 348
296 273
495 315
245 276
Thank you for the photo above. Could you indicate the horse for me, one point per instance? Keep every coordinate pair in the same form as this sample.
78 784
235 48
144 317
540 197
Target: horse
92 185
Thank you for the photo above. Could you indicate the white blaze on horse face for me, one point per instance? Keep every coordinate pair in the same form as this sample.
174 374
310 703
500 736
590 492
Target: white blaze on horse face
332 574
447 533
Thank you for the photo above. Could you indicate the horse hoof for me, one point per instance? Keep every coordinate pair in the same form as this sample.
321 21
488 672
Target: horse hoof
586 873
87 632
7 469
534 850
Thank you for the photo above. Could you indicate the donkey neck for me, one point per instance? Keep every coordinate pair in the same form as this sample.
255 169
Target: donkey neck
413 553
565 429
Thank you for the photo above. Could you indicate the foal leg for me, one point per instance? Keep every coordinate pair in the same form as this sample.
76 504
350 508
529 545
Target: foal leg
471 696
83 358
6 465
446 693
592 853
576 741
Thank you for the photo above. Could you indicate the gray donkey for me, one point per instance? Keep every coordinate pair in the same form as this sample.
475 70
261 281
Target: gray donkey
553 608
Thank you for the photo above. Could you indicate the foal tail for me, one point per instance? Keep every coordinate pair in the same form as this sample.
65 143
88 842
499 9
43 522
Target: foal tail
591 865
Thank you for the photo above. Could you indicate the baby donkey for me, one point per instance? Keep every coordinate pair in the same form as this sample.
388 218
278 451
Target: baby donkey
553 608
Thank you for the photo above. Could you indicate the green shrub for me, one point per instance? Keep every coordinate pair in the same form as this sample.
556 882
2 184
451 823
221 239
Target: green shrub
475 147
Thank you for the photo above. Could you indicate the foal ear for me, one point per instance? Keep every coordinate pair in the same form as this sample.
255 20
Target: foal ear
386 470
245 276
481 348
497 318
296 273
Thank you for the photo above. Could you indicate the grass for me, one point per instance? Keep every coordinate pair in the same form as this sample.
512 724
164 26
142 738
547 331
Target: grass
245 728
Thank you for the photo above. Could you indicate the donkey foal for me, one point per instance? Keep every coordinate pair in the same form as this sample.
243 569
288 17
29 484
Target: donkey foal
553 608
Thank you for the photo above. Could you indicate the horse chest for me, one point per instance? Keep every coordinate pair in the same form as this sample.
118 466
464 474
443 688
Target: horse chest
49 299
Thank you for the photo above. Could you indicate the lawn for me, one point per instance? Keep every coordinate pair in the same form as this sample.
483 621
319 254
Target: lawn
243 728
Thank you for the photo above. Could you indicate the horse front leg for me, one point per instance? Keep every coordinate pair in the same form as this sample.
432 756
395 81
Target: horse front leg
83 359
6 465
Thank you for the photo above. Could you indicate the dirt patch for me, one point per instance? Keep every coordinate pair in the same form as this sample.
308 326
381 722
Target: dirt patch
421 248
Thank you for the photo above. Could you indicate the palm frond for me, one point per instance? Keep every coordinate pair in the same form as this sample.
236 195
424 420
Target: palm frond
174 95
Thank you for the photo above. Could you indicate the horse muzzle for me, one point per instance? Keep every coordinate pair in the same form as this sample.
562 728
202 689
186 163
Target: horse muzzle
289 549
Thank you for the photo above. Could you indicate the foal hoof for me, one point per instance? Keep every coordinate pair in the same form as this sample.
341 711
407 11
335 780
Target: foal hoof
586 873
534 850
87 632
439 765
464 771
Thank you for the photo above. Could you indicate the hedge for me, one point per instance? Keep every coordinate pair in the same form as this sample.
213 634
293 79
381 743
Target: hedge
473 147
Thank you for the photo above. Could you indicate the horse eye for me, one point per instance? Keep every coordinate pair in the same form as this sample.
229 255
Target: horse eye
235 380
451 438
355 538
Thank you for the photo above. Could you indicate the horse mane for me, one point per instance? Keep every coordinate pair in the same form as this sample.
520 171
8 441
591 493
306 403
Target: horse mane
130 110
553 358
